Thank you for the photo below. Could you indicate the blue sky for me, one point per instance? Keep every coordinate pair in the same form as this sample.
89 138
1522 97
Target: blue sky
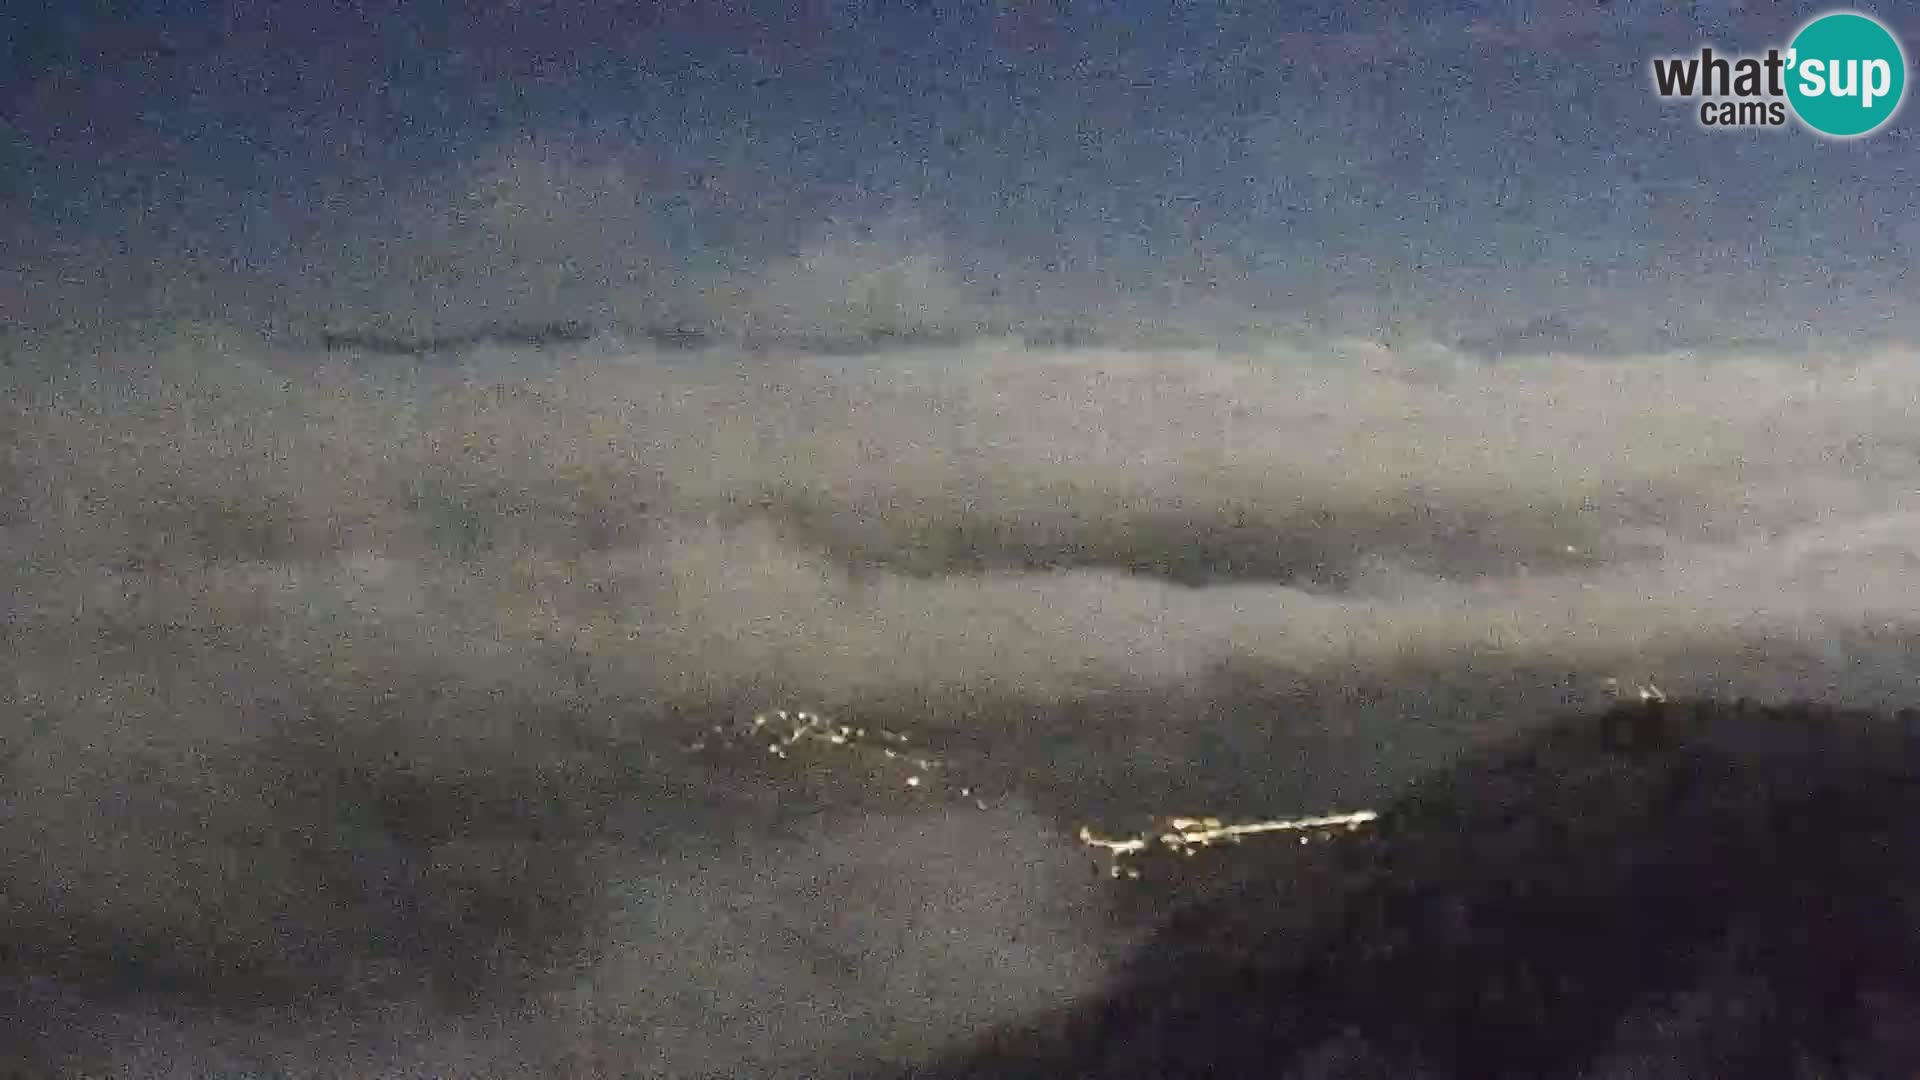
1329 160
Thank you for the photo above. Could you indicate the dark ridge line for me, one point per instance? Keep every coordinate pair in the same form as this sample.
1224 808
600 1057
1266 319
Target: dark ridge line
1508 915
684 338
860 342
526 334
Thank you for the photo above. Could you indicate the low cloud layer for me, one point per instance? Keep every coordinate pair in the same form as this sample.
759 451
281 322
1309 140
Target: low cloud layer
362 681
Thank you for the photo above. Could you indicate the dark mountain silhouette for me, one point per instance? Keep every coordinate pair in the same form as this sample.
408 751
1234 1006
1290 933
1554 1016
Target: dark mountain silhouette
1688 889
693 336
502 334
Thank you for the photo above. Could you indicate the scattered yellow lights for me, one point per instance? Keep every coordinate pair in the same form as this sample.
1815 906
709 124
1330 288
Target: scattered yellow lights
1186 836
1647 691
786 729
1130 846
782 730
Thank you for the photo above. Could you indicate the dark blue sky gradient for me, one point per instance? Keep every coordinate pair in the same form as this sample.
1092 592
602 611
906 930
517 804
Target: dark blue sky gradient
1446 164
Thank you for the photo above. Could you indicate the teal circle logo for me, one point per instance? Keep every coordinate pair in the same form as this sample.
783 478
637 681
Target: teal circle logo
1846 75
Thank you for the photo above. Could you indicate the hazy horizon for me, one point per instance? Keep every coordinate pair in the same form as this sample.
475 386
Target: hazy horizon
1242 412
